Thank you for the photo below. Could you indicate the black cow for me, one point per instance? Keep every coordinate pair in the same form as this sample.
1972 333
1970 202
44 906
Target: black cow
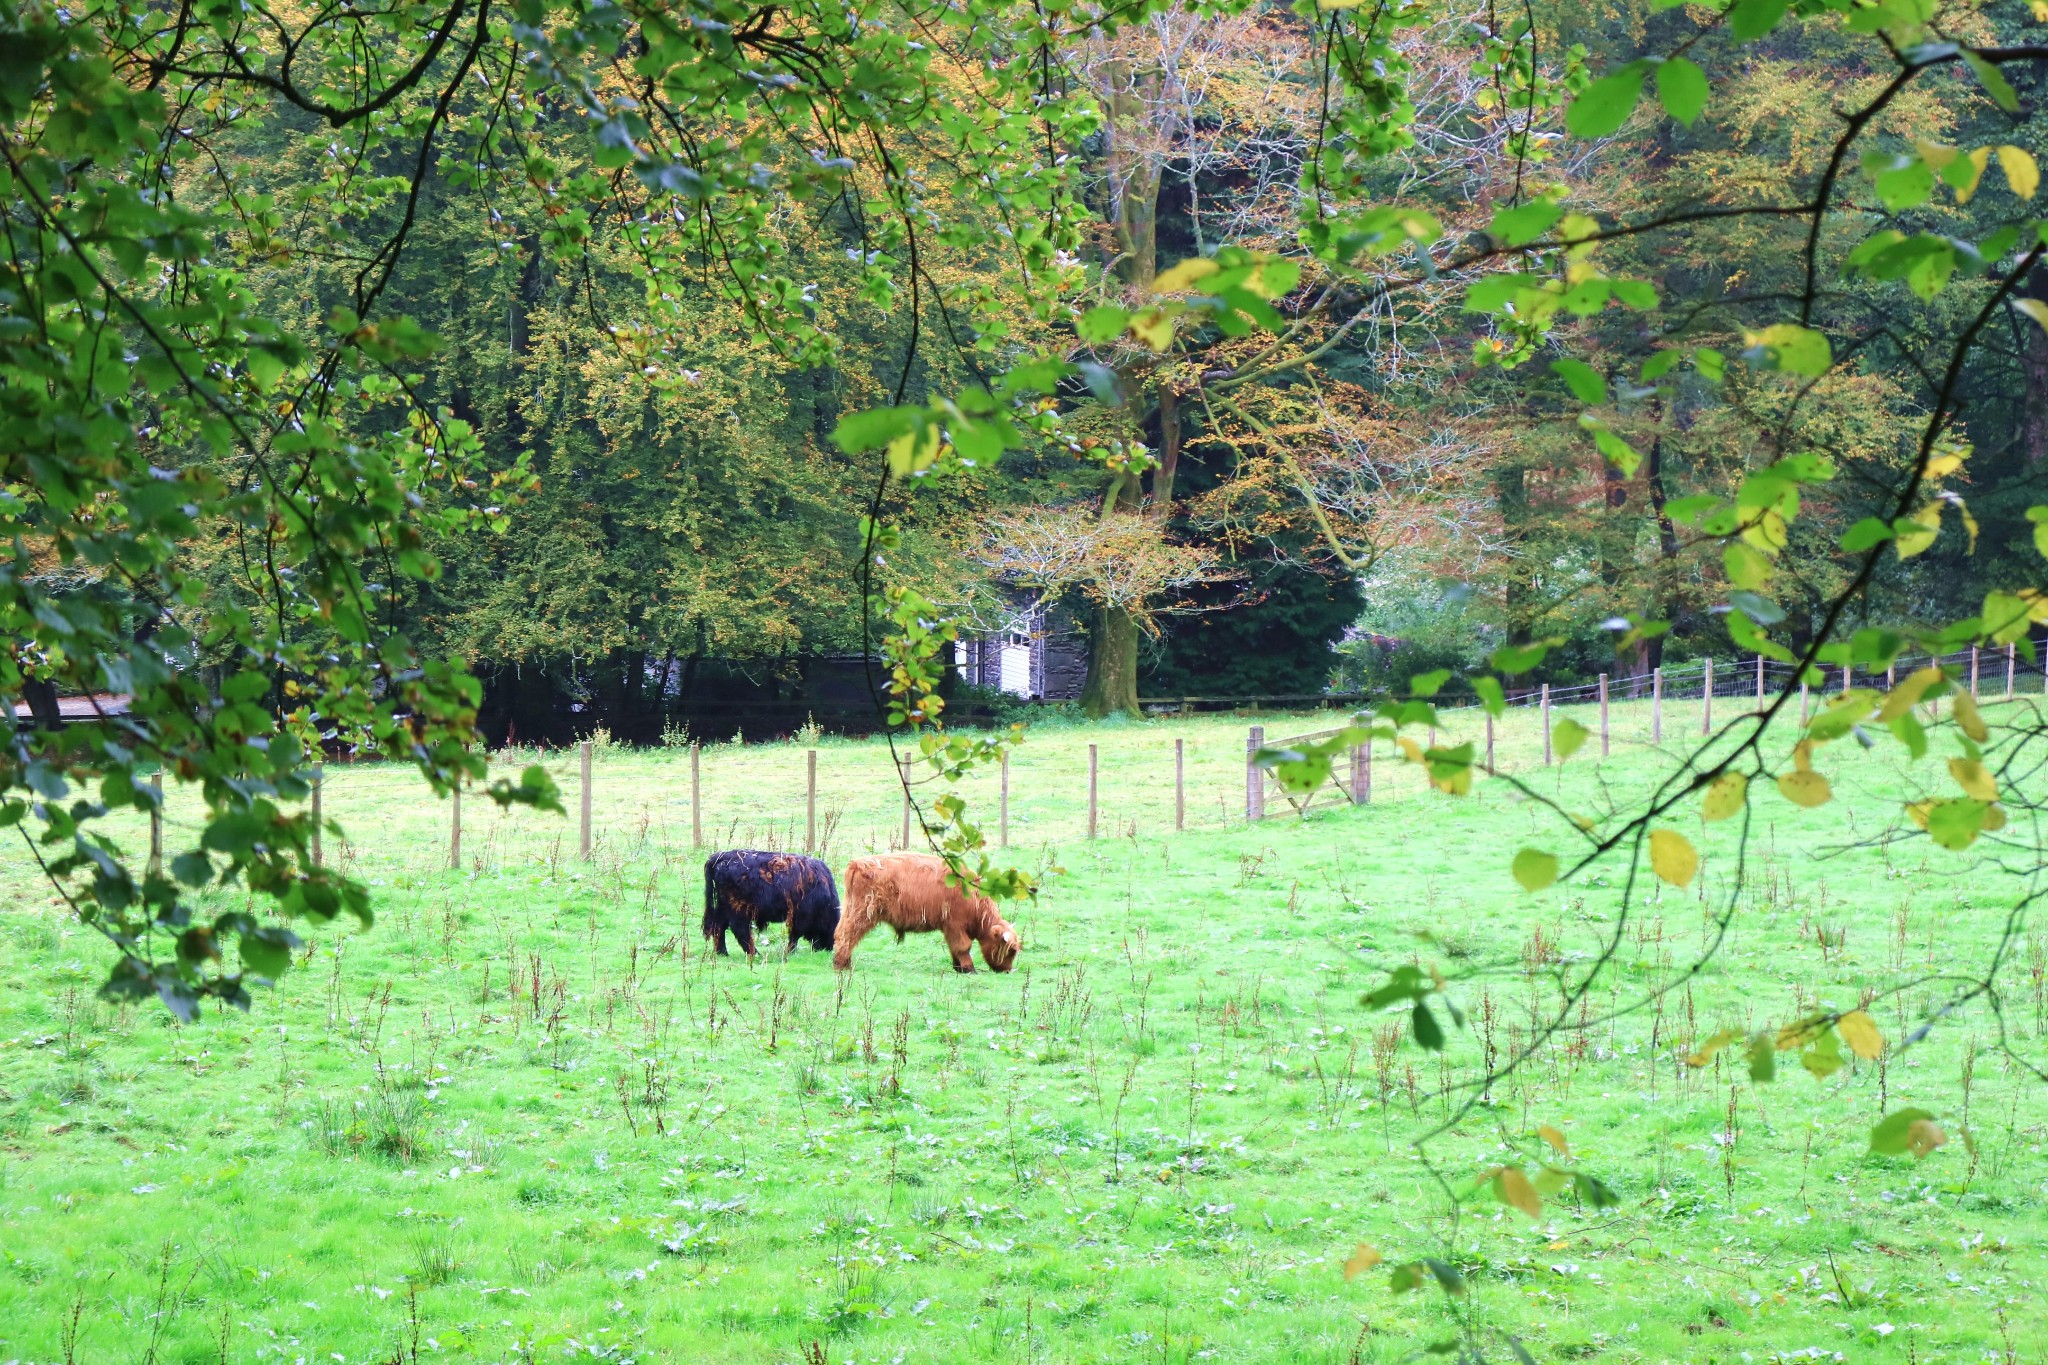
744 890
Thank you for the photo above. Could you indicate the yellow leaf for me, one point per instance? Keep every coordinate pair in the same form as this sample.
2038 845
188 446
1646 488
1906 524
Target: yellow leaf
1937 155
1554 1138
1994 819
1726 795
913 451
1976 161
1807 789
2034 309
1972 776
1183 276
1919 531
1672 856
1801 1032
1512 1188
1362 1260
1535 869
2021 171
1768 532
1971 721
1907 694
1153 326
1860 1032
1923 1136
1802 756
1410 748
1705 1052
1921 811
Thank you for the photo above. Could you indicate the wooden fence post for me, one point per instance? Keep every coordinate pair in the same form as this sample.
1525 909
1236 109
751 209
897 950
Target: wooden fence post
2010 659
1546 724
584 845
1657 705
1603 715
1254 780
318 776
1180 784
1489 741
903 779
1707 699
1973 670
1091 791
1848 676
156 822
455 827
1361 775
696 797
1802 699
810 801
1759 682
1003 804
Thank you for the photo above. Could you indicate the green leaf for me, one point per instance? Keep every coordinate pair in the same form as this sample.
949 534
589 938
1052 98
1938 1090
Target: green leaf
267 951
1430 683
1789 347
1582 379
1763 1058
1567 736
1955 824
1824 1056
1513 659
1895 1135
860 431
1752 19
1524 223
1994 82
1406 982
1535 869
1594 1191
1428 1033
1623 456
1605 105
1101 324
1682 88
1492 293
1747 567
1869 532
1490 695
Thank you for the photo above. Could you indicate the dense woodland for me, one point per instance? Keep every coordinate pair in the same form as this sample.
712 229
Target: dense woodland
1373 471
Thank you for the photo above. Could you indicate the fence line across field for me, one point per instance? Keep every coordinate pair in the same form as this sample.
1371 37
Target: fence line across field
1625 709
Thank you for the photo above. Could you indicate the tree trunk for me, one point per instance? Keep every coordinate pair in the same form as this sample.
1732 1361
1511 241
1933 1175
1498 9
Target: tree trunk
2033 346
1134 171
1657 602
41 696
1169 452
1112 684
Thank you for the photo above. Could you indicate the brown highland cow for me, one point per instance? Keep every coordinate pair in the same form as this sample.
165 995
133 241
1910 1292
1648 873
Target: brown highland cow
908 892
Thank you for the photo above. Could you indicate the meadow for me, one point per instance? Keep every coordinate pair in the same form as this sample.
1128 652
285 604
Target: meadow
528 1117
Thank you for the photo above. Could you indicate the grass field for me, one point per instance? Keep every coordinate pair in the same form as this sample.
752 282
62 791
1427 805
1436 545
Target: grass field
527 1116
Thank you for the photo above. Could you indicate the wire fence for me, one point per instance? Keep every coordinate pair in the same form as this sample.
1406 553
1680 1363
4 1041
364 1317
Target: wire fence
650 813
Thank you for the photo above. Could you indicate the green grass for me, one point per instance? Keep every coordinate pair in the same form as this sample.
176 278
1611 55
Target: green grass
1158 1140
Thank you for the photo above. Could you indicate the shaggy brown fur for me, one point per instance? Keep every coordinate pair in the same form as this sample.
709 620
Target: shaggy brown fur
908 892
